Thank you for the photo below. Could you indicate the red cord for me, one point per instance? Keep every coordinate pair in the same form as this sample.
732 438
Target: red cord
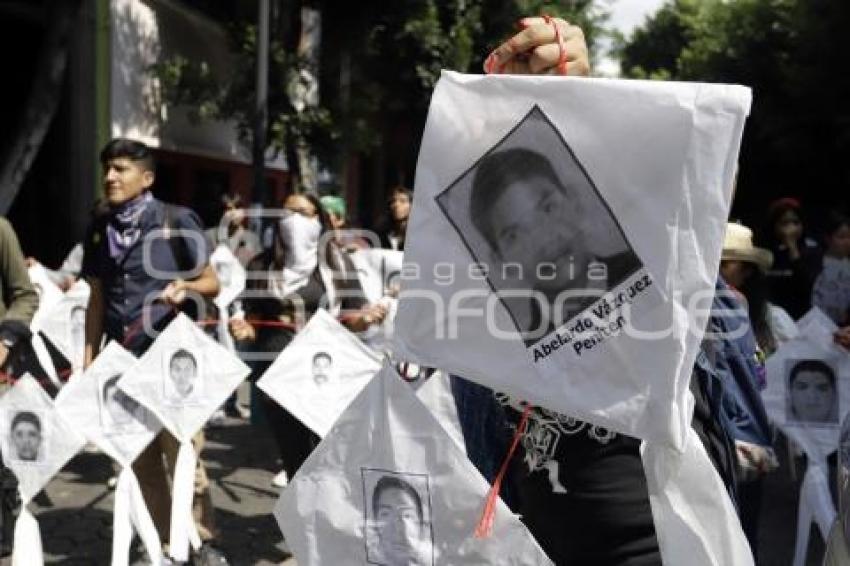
562 57
485 524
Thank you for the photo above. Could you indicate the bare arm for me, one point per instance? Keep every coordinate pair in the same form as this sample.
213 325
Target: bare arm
205 284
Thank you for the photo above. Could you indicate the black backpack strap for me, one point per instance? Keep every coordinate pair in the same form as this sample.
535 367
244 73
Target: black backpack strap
180 251
178 244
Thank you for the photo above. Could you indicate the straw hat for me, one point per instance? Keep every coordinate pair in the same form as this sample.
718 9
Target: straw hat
738 245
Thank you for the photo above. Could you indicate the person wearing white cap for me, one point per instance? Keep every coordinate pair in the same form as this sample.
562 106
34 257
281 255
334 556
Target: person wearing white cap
743 266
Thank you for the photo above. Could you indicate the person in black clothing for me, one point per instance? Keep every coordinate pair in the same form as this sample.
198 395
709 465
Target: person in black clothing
796 258
275 300
398 207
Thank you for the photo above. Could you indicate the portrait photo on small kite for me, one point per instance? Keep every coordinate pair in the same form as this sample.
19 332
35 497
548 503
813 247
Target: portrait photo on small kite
397 513
27 434
811 394
180 383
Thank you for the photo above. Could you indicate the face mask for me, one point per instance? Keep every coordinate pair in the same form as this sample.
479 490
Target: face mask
300 235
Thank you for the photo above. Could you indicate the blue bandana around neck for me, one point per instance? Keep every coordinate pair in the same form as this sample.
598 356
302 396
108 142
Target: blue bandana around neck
123 229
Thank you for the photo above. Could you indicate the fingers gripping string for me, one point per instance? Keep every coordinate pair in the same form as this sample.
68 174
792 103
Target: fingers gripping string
562 57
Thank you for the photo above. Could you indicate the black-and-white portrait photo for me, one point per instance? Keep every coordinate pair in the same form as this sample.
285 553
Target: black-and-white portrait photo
119 413
811 393
181 381
398 518
322 366
533 219
26 437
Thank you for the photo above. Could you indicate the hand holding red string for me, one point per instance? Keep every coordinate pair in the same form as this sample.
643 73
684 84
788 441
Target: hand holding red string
544 46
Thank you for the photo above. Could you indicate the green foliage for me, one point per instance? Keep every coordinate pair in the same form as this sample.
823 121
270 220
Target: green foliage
396 51
794 54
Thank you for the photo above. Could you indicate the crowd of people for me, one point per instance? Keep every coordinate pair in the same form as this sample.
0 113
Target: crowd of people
585 500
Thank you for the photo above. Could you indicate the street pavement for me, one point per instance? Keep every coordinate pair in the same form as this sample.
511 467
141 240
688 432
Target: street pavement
75 509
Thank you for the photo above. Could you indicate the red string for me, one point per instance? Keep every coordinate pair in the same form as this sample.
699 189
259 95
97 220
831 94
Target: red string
562 57
485 524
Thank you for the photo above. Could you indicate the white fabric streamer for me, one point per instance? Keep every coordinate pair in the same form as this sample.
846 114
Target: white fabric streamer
130 512
27 548
694 518
183 530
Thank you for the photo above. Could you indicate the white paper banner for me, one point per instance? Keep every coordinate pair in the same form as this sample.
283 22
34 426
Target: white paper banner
388 486
122 428
65 324
49 294
518 199
35 442
320 372
231 276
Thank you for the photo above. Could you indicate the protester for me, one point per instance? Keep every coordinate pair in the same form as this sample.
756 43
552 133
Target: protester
796 257
18 303
115 266
344 237
743 267
831 290
296 285
398 208
232 230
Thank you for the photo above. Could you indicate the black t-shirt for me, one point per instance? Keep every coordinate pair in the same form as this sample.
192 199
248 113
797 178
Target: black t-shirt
584 495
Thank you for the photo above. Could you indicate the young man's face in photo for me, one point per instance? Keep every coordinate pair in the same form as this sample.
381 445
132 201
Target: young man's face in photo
26 438
124 180
399 523
812 396
534 222
183 372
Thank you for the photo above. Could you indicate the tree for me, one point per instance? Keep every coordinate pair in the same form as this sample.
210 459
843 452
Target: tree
794 55
379 64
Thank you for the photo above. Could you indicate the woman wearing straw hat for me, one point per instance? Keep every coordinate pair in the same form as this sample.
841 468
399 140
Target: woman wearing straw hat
744 266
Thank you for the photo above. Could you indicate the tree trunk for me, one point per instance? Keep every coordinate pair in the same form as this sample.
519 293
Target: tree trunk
43 102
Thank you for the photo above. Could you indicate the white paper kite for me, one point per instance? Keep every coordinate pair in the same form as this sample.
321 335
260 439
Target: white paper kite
36 442
320 372
65 324
49 294
563 234
808 389
379 272
388 486
231 276
182 379
122 428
